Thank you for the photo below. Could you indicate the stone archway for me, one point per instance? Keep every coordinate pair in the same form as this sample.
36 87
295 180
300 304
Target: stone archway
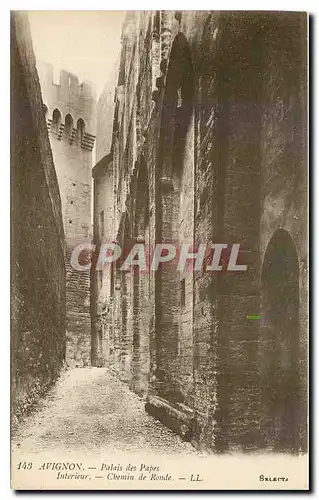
175 198
280 351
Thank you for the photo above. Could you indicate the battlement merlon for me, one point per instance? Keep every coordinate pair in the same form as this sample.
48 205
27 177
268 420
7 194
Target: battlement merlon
68 95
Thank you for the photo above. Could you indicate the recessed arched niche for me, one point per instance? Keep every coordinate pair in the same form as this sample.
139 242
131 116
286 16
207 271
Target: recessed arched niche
68 126
80 128
280 394
56 121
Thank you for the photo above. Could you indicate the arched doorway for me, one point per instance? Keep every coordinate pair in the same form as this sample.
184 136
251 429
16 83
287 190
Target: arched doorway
175 209
280 352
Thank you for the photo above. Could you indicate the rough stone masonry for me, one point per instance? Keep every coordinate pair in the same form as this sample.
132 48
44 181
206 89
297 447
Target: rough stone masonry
208 145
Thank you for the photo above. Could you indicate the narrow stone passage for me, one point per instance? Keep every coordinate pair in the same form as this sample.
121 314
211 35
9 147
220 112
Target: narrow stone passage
89 410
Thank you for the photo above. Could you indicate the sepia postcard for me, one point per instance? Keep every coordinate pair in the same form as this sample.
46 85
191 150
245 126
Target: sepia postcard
159 250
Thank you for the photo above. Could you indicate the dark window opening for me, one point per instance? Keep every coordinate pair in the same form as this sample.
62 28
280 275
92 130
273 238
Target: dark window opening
80 126
68 126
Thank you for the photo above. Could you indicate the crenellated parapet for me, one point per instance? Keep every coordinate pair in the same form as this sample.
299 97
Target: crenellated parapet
68 103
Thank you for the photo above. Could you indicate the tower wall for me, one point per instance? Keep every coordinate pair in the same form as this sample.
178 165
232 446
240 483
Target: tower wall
71 120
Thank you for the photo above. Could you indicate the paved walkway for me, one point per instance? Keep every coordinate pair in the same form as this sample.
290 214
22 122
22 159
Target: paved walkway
91 411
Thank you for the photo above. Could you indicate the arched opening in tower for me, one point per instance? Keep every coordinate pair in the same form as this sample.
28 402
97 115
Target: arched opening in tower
56 121
80 127
68 127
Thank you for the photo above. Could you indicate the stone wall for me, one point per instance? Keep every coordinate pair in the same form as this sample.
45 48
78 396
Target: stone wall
196 144
284 236
38 272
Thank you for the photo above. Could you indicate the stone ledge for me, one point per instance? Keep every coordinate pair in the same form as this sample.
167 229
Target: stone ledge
178 418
